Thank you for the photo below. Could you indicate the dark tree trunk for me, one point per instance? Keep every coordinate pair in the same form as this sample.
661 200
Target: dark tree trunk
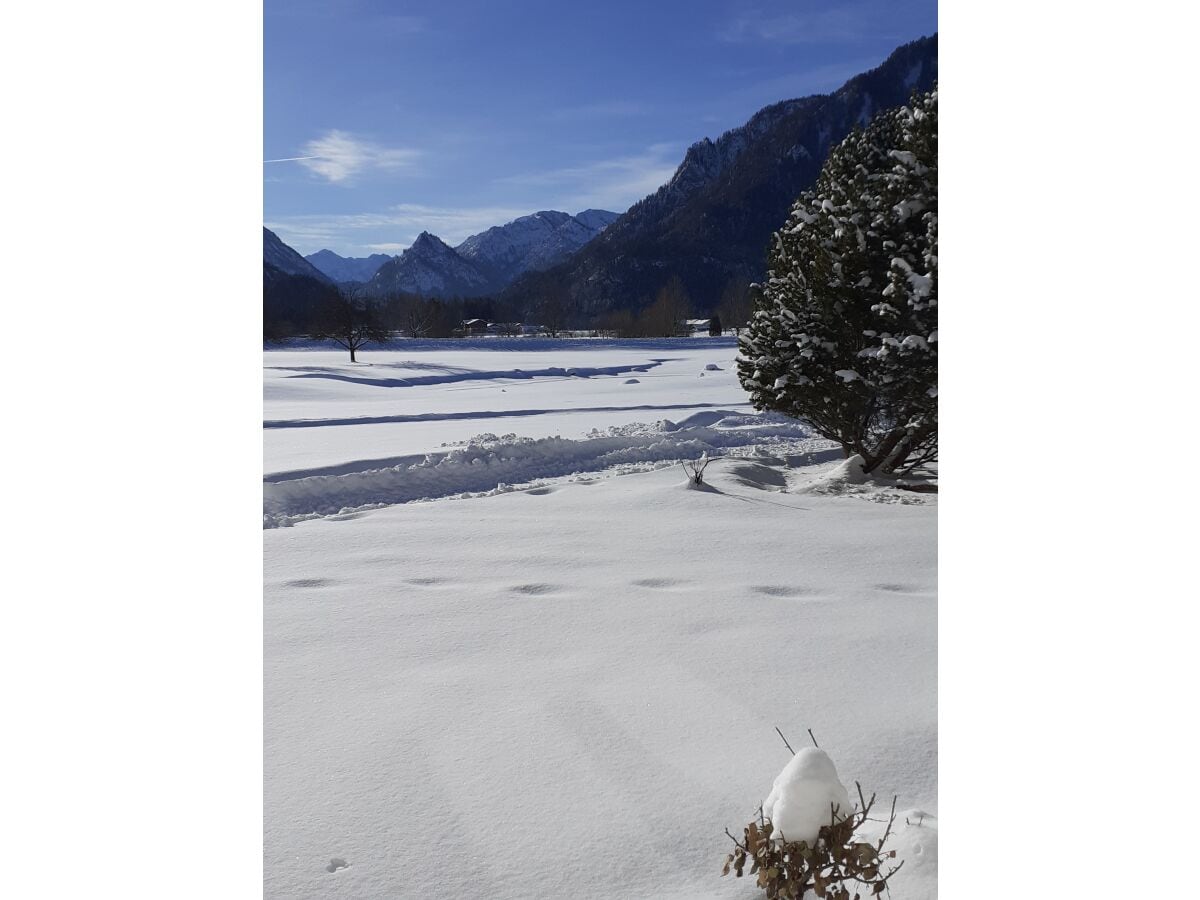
871 461
899 453
352 359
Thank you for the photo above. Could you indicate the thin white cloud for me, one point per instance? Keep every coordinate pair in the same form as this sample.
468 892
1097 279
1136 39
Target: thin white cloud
802 83
452 225
389 231
349 15
614 184
339 157
820 22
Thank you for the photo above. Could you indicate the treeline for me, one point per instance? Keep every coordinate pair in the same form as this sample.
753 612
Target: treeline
297 306
291 303
666 315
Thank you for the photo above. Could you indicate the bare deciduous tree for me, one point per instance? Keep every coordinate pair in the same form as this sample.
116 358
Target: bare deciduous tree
551 309
351 320
667 315
416 316
736 305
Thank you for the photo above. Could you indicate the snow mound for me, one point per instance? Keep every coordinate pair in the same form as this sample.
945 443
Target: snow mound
712 367
703 419
847 478
632 381
850 471
914 837
804 797
757 475
488 461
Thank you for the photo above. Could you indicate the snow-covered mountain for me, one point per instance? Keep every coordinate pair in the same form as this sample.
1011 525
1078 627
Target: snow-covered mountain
532 243
489 261
347 268
597 219
431 268
282 257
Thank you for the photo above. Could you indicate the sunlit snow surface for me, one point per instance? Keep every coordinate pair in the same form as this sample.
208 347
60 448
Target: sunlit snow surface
502 666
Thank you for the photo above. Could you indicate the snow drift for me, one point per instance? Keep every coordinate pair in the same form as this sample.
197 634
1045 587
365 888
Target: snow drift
489 461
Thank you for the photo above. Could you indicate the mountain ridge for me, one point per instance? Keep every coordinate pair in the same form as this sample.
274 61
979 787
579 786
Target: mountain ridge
430 267
283 258
489 261
344 269
711 222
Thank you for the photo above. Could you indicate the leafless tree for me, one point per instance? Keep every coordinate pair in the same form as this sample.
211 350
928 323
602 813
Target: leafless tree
736 305
667 315
551 310
617 323
351 320
415 315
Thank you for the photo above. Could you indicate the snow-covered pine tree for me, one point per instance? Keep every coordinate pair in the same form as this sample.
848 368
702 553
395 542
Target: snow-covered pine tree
844 330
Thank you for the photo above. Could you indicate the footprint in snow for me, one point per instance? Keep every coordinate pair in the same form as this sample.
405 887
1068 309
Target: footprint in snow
897 588
337 863
659 582
307 582
534 590
779 590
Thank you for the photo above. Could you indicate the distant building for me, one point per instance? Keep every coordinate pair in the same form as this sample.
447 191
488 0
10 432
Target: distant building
698 326
474 326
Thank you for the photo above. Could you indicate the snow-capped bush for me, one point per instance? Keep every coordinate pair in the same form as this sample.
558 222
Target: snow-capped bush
804 839
804 796
695 468
844 330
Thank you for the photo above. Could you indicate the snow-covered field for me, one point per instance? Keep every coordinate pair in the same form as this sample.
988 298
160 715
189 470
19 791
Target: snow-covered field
510 654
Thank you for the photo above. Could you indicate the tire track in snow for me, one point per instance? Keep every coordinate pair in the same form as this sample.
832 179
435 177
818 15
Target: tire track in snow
447 377
481 414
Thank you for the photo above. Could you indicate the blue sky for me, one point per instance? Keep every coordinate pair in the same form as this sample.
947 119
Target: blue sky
455 116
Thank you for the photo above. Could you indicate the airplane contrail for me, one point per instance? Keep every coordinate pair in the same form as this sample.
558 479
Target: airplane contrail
291 159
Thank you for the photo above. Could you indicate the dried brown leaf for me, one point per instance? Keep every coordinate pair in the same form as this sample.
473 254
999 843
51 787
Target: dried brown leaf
752 839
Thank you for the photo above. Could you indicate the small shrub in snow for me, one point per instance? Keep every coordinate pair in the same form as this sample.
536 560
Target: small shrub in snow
695 470
804 840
